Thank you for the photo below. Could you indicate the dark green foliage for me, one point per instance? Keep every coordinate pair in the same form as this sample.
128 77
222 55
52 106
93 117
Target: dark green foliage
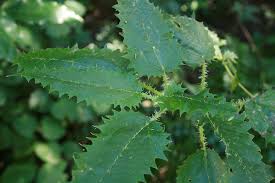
203 167
243 157
127 146
159 97
19 173
176 98
164 41
98 76
261 113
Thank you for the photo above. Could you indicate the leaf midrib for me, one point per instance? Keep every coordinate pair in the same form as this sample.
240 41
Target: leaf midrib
79 83
124 148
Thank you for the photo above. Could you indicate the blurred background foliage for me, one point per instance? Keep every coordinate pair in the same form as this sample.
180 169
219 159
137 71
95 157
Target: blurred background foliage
39 133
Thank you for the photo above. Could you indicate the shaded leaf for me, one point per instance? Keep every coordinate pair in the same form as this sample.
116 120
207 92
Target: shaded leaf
19 173
243 156
52 129
5 137
203 167
52 173
7 48
124 151
70 148
42 12
25 126
64 109
261 113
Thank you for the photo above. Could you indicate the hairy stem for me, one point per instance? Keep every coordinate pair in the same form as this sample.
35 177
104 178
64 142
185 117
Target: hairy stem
202 138
158 114
151 89
203 76
165 79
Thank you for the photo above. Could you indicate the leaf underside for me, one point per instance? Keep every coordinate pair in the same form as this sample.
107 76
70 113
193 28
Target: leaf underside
124 151
158 43
94 76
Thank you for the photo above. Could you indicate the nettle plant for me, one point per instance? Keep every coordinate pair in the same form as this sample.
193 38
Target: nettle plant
130 142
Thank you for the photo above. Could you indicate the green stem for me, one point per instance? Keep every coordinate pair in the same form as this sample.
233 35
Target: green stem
203 77
231 75
165 79
228 71
157 115
245 90
202 138
151 89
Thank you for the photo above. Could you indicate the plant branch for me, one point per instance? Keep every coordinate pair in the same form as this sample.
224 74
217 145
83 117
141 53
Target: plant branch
232 76
158 114
202 138
203 76
151 89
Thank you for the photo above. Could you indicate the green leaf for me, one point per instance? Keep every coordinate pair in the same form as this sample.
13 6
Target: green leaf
69 148
7 47
76 6
50 153
52 173
124 151
6 136
22 147
19 173
197 44
70 110
261 113
176 98
94 76
203 167
25 126
52 129
11 35
243 156
22 36
40 101
158 43
58 31
3 97
42 12
64 109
